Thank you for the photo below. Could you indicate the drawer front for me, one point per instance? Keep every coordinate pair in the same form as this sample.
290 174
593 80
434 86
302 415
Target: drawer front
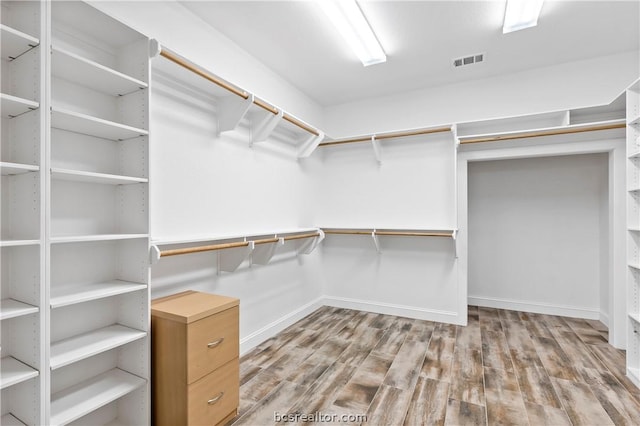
212 342
215 396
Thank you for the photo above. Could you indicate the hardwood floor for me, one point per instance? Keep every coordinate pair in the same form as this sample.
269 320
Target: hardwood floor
505 367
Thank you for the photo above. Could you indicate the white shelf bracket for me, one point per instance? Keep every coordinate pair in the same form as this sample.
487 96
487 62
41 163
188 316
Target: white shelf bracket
230 259
454 132
376 241
264 126
231 109
262 254
377 149
310 144
154 255
310 244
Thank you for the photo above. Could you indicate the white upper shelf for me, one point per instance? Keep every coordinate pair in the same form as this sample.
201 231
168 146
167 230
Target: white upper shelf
93 126
95 237
80 347
85 72
15 43
8 169
91 177
9 420
12 106
76 401
72 294
13 372
10 308
16 243
634 121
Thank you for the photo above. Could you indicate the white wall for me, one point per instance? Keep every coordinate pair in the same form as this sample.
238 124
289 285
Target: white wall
565 86
536 233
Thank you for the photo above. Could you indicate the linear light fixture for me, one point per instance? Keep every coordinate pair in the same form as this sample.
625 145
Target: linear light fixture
521 14
350 22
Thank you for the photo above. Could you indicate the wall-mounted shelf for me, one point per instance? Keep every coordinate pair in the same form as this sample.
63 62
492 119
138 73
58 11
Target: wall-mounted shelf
9 420
91 177
85 124
13 106
374 233
634 121
77 348
91 74
74 402
10 308
15 43
90 238
635 318
17 243
543 132
13 372
70 295
634 266
8 169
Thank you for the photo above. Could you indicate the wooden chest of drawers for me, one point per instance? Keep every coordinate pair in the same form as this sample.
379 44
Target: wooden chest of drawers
195 366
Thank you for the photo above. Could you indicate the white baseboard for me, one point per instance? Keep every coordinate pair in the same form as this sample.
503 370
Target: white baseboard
634 375
538 308
254 339
397 310
604 318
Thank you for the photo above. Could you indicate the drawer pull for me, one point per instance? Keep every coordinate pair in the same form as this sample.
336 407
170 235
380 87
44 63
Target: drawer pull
215 343
216 399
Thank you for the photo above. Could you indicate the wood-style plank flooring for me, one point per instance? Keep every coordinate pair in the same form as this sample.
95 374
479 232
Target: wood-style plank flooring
505 367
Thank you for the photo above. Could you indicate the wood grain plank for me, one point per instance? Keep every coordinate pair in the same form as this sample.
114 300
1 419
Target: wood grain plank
428 404
438 360
389 407
582 407
358 393
543 415
504 401
616 401
535 384
406 366
495 350
464 413
391 340
279 400
555 360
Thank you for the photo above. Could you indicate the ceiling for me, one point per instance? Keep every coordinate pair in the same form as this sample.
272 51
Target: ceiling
420 38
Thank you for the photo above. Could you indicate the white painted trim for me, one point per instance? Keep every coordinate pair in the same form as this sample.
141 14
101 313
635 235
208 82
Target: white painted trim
604 318
254 339
397 310
538 308
634 376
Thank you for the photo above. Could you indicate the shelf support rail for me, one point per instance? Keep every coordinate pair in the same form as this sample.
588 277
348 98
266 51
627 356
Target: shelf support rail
250 98
382 136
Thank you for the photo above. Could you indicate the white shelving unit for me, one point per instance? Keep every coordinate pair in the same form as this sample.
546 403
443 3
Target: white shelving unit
98 236
22 157
633 237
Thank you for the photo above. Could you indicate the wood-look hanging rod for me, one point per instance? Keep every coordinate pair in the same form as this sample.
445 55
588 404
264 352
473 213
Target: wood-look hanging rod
387 136
389 233
234 89
540 133
236 244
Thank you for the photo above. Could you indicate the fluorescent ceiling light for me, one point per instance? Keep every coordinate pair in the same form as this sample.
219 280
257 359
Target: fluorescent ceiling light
354 28
521 14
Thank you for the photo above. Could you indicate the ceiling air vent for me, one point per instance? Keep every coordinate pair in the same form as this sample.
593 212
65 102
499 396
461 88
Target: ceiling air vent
468 60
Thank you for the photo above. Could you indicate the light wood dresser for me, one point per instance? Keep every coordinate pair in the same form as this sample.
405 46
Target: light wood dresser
195 366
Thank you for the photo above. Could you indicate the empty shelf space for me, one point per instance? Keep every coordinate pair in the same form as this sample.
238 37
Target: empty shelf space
12 106
15 43
97 237
85 72
85 345
15 243
85 124
635 318
10 308
9 420
13 372
91 177
69 295
16 168
76 401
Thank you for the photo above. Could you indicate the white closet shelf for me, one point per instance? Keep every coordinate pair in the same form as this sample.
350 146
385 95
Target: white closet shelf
413 232
85 72
85 124
12 106
72 294
10 308
634 229
15 43
221 237
15 243
635 154
96 237
634 190
9 420
634 121
635 318
634 266
76 401
91 177
13 372
8 169
76 348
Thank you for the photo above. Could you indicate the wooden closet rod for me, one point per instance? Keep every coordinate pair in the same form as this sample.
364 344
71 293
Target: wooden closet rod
389 233
540 133
387 136
221 246
233 89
